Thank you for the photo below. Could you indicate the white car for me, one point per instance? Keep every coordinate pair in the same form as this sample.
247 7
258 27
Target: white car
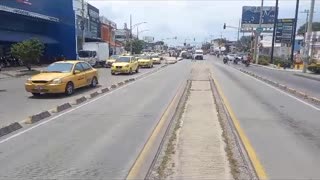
198 54
231 57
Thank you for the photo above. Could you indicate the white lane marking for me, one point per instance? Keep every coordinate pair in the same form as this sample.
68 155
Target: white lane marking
75 108
279 90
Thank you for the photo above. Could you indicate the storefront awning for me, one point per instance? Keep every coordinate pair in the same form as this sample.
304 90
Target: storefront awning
12 36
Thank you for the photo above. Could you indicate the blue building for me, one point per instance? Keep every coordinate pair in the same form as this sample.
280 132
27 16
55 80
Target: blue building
50 21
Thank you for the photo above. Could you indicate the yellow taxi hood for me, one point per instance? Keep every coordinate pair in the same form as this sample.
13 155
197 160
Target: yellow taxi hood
111 60
49 76
144 60
120 64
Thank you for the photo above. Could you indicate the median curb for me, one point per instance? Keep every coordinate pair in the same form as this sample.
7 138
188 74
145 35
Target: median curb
37 117
113 86
61 107
104 90
292 91
10 128
95 94
120 83
79 100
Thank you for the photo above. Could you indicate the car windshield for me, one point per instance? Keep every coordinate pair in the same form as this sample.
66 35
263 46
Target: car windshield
123 59
60 67
144 57
114 57
85 54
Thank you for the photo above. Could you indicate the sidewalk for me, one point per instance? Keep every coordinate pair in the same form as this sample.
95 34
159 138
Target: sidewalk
20 71
308 75
200 149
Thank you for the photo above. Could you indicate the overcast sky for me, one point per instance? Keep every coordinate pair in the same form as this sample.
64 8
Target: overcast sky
187 19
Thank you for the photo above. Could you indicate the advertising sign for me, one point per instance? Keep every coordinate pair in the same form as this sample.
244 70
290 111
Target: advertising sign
148 39
251 16
94 21
284 30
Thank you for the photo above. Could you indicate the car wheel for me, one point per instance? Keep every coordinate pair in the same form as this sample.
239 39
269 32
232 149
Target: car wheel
69 89
112 73
130 71
94 82
137 70
36 94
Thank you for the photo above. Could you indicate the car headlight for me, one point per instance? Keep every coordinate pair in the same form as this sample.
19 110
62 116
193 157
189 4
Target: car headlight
56 81
29 80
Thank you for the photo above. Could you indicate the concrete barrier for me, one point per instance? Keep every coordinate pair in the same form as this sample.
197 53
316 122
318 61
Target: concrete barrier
293 91
132 79
8 129
62 107
315 100
120 83
304 95
282 86
79 100
126 81
95 94
113 86
37 117
104 90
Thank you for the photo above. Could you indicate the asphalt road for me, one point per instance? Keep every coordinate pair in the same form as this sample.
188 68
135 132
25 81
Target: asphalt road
99 140
308 86
284 131
17 104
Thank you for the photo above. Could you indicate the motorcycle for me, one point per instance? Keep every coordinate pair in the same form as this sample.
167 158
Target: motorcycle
247 63
225 60
235 61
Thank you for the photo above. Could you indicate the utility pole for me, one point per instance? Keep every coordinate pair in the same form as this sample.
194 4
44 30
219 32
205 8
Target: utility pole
82 24
239 29
131 34
306 25
274 29
294 30
308 41
257 35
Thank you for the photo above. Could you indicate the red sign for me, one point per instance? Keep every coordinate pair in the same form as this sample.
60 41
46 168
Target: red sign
27 2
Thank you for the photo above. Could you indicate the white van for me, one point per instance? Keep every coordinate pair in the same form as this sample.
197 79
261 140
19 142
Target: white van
95 53
198 54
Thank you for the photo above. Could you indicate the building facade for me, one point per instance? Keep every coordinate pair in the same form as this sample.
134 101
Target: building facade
108 29
87 22
51 22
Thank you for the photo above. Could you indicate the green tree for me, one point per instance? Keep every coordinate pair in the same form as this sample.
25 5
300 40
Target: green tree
315 27
28 51
137 46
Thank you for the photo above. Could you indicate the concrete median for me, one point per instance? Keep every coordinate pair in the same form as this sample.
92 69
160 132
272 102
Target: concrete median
120 83
95 94
113 86
8 129
104 90
62 107
79 100
37 117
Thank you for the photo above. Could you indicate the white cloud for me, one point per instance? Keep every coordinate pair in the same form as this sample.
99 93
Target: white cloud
187 19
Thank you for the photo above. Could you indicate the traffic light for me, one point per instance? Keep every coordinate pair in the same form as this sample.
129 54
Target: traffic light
184 44
224 26
194 39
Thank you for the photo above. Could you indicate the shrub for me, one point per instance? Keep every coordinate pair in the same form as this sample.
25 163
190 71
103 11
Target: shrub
264 62
29 51
315 68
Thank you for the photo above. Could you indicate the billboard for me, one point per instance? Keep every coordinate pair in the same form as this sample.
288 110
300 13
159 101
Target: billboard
284 30
251 16
148 39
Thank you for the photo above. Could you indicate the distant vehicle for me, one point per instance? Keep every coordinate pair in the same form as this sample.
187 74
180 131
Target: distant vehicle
231 57
198 55
156 59
125 64
111 60
95 53
145 61
62 77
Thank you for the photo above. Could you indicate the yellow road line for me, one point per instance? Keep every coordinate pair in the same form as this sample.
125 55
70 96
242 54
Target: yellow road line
247 145
137 166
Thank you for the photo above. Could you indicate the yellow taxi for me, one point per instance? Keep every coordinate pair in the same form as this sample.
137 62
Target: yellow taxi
145 61
62 77
156 59
125 64
111 60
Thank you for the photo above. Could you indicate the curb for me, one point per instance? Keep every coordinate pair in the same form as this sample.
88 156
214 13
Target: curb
307 77
10 128
113 86
61 107
79 100
285 88
120 84
37 117
95 94
104 90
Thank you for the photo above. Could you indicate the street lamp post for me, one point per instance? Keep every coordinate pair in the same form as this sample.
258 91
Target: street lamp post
308 41
131 27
